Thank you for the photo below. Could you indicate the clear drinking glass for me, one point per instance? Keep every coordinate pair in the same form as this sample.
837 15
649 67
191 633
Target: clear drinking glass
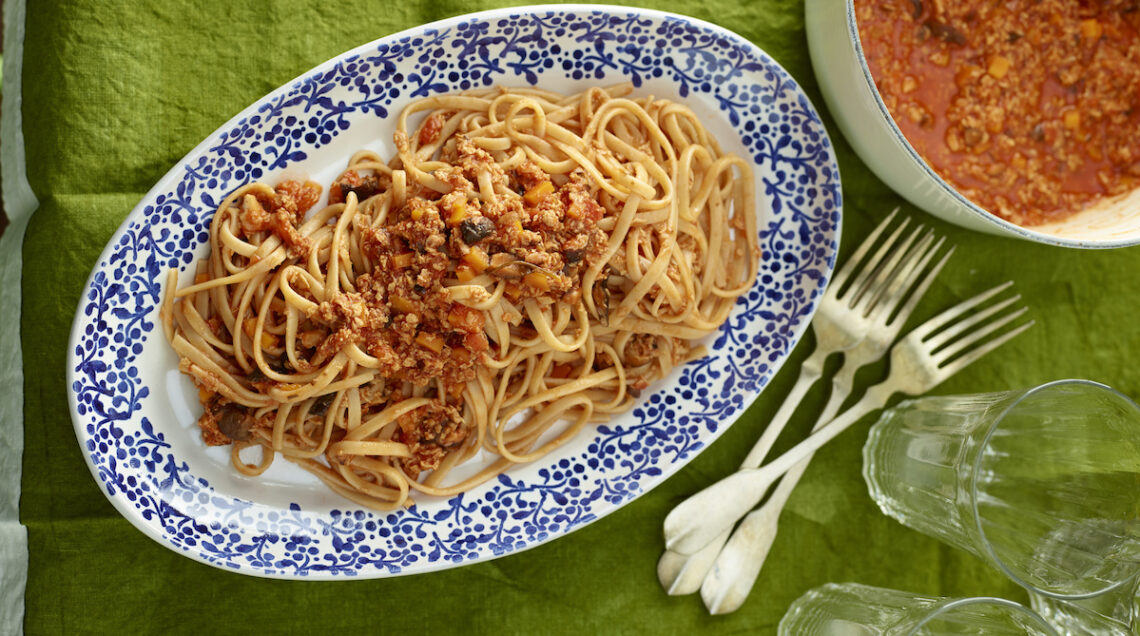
1113 613
1044 483
851 609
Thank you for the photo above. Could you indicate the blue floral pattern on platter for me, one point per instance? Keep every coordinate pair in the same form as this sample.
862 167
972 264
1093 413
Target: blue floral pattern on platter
130 447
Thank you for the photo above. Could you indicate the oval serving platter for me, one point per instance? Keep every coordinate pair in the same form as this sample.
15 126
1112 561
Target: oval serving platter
135 414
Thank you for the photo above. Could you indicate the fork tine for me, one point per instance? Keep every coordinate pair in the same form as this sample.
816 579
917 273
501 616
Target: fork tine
880 273
903 278
860 252
935 323
977 335
935 342
900 317
871 265
960 363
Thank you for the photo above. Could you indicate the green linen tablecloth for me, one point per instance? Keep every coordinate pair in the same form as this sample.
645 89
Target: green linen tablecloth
115 93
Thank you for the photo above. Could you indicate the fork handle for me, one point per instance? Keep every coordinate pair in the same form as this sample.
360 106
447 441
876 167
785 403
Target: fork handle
732 575
699 519
874 398
752 544
749 544
685 574
810 372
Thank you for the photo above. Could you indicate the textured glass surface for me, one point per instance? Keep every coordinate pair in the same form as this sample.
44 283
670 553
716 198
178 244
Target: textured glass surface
1042 482
851 609
1113 613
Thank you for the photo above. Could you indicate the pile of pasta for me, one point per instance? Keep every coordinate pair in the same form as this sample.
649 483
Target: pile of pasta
588 243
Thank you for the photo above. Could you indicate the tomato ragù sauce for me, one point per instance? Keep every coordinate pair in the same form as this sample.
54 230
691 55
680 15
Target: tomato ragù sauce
1030 108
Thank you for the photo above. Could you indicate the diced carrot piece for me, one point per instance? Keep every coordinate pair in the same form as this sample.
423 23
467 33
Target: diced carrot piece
538 280
1072 119
513 292
458 213
248 325
401 304
536 194
561 371
429 340
460 355
464 273
403 260
477 259
268 340
999 66
417 213
1091 29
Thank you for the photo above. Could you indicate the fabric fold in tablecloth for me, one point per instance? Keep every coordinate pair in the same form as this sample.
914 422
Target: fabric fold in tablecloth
19 202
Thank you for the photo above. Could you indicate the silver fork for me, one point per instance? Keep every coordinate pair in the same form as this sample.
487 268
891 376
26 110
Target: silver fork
927 356
844 317
734 570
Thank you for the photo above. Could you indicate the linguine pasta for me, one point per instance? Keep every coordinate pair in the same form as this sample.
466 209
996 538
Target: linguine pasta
526 264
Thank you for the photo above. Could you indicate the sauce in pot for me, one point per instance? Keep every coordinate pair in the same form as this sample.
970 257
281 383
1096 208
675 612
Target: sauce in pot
1030 108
